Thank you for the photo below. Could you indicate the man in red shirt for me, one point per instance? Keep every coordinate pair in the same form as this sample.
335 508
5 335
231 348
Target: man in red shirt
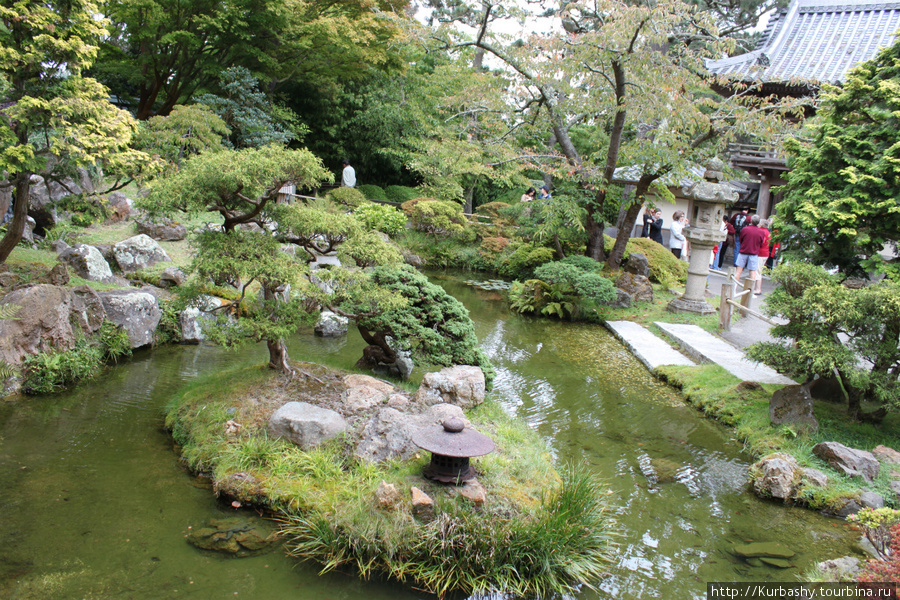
752 238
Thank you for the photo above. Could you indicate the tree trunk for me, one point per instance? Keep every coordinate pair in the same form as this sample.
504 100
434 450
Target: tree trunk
278 357
594 230
20 216
378 351
614 260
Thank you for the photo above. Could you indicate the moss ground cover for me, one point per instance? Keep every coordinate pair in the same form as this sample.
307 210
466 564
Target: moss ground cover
746 408
540 531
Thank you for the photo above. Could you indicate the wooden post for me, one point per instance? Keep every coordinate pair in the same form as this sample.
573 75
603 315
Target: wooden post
725 309
748 293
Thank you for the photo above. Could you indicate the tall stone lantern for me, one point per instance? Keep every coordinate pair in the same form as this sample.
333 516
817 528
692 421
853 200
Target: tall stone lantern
710 197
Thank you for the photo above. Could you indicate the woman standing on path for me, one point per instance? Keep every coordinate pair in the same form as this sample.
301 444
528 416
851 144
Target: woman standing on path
676 237
763 253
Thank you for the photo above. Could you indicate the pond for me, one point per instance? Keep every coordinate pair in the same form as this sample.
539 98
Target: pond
95 504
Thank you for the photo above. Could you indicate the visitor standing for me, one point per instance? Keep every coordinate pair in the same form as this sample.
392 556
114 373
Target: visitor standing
676 237
656 227
528 196
544 194
739 221
729 240
348 177
648 218
751 238
763 253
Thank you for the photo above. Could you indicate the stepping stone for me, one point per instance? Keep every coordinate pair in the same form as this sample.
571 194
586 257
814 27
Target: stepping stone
648 348
705 347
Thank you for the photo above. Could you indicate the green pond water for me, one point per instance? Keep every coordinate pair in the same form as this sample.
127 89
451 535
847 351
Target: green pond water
94 503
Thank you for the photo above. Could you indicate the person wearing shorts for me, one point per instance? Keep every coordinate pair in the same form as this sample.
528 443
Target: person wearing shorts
752 237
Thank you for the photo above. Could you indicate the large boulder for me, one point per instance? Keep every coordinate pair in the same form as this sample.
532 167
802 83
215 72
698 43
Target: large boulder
137 312
119 207
845 569
44 195
793 405
849 461
637 286
388 433
331 324
42 323
363 393
172 277
87 262
637 264
163 229
461 385
193 317
776 476
305 424
139 252
886 454
87 309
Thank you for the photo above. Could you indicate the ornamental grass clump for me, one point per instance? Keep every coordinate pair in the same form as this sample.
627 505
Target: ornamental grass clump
564 542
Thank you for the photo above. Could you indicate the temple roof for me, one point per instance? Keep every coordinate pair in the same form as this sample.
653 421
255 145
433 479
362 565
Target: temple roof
815 41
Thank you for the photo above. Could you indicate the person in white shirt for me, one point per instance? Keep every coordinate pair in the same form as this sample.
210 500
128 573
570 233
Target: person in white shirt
348 177
676 237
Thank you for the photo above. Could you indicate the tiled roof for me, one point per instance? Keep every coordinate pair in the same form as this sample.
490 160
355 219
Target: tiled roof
817 41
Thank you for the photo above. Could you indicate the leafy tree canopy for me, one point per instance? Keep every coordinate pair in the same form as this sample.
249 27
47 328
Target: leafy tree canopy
842 201
54 119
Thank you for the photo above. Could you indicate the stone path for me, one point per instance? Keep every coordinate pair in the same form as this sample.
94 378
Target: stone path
648 348
705 347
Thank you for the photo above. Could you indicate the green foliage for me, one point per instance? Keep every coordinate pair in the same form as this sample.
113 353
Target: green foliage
830 327
49 372
562 289
438 217
86 210
520 259
251 117
369 249
431 324
877 524
346 196
551 550
373 192
401 193
843 195
169 329
184 132
664 267
317 228
381 217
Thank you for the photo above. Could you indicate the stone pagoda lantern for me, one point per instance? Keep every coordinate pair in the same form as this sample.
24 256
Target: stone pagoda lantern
709 198
451 445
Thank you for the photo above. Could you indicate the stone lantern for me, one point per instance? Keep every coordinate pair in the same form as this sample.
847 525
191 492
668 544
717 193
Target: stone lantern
710 197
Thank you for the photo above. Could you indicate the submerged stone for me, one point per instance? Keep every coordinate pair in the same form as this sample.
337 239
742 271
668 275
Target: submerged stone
764 549
776 562
235 536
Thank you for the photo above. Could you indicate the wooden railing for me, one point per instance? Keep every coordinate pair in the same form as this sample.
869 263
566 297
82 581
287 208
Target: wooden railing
753 151
730 299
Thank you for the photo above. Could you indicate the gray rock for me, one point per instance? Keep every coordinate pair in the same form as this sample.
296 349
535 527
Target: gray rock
886 454
845 568
42 323
871 500
363 393
58 246
895 487
814 477
851 462
623 299
460 385
331 324
849 507
305 424
793 405
119 207
387 435
637 286
28 230
171 277
59 275
777 476
139 252
827 389
637 264
193 318
413 259
87 262
137 312
87 309
388 496
164 229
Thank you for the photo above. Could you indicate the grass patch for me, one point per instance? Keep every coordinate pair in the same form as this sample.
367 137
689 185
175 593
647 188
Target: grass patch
648 313
720 395
540 532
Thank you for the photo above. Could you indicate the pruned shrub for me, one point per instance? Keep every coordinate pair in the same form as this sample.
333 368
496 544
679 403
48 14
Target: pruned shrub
346 196
380 217
491 209
438 217
521 261
408 206
665 269
373 192
401 193
369 249
491 246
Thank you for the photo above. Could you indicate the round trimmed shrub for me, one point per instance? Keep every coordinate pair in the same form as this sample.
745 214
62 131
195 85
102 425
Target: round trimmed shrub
347 196
373 192
381 217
